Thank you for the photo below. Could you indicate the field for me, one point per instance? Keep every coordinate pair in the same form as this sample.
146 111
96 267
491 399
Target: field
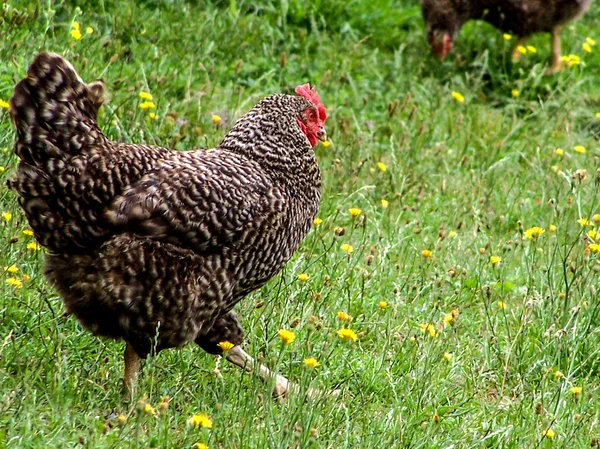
469 264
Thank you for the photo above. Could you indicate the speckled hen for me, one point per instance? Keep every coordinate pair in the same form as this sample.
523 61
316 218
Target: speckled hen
445 18
156 246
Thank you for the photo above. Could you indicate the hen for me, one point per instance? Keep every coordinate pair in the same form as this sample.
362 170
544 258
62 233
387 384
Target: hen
155 246
444 19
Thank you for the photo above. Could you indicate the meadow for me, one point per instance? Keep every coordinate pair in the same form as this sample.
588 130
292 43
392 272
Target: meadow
458 235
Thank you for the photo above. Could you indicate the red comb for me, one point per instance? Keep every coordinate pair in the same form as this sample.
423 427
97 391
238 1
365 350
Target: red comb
304 90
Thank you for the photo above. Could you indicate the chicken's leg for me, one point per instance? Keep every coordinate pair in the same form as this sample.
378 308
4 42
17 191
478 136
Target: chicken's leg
555 62
132 366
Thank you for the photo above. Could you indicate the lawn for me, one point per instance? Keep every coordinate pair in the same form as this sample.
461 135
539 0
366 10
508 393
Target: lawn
468 267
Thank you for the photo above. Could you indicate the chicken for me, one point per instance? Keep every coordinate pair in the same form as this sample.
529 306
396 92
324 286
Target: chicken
444 18
155 246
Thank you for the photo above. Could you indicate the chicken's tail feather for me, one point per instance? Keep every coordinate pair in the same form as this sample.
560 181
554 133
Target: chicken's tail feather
54 112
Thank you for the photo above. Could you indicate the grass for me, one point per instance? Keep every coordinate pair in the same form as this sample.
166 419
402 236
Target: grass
463 180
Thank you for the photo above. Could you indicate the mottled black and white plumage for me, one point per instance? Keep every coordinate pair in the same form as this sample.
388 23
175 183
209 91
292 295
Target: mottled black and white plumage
155 246
445 18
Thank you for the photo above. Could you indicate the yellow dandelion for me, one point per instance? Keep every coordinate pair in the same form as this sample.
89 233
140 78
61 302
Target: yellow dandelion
12 269
201 420
592 234
76 34
598 115
584 222
28 232
596 218
4 104
383 304
452 234
549 433
501 305
428 328
216 119
343 316
7 216
347 334
146 96
33 246
326 143
514 93
354 212
121 419
225 345
89 30
385 203
590 41
579 149
558 375
507 36
586 47
14 282
458 97
152 116
554 168
287 336
317 221
199 446
552 228
74 25
495 260
435 418
448 318
531 49
595 247
521 49
303 277
311 362
534 232
381 166
26 277
2 167
559 151
147 105
448 356
347 248
573 60
426 253
149 409
576 390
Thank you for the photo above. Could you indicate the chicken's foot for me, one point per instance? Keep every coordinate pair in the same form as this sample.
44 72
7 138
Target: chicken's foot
555 62
283 387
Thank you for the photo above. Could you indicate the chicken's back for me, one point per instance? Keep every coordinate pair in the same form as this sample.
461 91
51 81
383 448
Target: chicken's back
68 171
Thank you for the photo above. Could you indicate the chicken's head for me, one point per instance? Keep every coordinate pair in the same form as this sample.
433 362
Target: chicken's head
312 121
442 23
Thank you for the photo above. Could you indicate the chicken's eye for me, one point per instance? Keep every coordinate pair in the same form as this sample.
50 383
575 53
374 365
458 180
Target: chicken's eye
311 115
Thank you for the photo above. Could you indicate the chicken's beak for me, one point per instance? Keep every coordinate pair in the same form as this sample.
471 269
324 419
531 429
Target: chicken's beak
322 135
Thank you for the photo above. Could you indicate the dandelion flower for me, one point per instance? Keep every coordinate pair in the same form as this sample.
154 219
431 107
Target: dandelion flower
576 390
147 105
584 222
75 25
448 356
426 253
428 328
507 36
146 96
592 234
317 221
452 234
28 232
495 260
534 232
558 375
14 282
549 433
448 318
590 41
559 151
149 409
33 246
596 218
552 228
4 104
76 34
385 203
579 149
216 119
199 446
121 419
287 336
521 49
325 143
347 248
435 417
201 420
225 345
598 115
595 247
89 30
381 166
383 304
458 97
2 167
586 47
501 305
12 269
26 277
152 116
354 212
514 93
531 49
311 362
347 334
6 216
303 277
343 316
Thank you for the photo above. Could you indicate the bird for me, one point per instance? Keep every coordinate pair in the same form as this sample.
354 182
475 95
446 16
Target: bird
444 19
155 246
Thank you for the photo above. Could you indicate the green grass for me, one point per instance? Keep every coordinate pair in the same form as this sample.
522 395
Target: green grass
474 169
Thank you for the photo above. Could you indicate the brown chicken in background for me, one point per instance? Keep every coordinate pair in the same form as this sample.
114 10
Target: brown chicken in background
155 246
444 19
